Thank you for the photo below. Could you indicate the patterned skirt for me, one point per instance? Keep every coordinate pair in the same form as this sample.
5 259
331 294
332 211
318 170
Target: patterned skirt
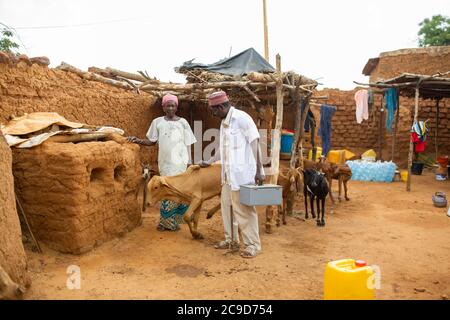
171 214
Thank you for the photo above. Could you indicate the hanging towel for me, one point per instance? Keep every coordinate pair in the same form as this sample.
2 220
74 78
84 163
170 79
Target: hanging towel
391 98
326 113
362 106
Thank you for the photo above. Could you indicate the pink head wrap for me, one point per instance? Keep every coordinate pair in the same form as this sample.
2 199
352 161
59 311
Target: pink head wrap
169 98
218 97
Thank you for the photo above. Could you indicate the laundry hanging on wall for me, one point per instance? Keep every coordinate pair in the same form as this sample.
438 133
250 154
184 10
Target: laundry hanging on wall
362 105
326 114
419 133
391 102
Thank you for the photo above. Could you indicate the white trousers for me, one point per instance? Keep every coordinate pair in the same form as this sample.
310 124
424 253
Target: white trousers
245 217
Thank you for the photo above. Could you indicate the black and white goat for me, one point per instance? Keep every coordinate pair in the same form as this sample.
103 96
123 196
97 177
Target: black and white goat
316 186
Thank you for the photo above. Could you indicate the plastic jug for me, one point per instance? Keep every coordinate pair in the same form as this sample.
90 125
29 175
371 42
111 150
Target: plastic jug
348 279
369 155
404 175
318 154
336 156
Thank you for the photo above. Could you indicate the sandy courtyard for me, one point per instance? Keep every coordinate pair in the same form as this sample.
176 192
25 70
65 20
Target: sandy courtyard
401 232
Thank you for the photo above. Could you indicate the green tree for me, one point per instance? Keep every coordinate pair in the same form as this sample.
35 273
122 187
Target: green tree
434 31
6 41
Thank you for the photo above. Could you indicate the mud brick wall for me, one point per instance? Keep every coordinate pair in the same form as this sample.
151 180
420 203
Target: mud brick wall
26 88
426 61
347 133
12 255
79 195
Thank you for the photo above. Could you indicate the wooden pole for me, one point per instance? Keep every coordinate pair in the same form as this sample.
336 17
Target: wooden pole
436 129
278 122
380 131
411 146
298 116
275 156
266 35
394 138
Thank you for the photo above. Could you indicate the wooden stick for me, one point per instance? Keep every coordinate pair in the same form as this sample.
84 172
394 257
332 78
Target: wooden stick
217 85
145 75
380 132
128 75
275 156
22 212
250 92
436 129
266 33
93 76
298 116
411 146
379 85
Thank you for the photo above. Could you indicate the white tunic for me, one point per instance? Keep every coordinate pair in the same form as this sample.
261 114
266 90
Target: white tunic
173 139
237 131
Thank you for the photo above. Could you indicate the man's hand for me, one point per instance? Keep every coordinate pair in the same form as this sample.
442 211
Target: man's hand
259 178
133 139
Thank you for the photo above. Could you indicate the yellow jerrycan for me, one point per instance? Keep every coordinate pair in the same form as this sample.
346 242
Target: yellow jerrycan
348 279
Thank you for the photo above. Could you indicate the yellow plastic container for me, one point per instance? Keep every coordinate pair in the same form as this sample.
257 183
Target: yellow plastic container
369 155
348 279
404 175
336 156
318 154
339 156
348 154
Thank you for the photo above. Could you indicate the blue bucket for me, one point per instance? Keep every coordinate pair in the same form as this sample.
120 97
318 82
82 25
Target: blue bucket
287 138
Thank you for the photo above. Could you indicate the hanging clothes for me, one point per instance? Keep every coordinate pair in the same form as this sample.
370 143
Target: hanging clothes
370 100
419 133
309 117
326 114
391 101
362 106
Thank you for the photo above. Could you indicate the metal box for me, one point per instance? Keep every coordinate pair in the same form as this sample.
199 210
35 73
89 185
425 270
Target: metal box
265 195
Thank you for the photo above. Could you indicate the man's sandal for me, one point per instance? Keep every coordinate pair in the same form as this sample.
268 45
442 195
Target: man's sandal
222 245
249 253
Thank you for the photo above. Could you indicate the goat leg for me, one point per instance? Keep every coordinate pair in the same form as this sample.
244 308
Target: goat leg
340 187
318 210
305 196
311 197
323 213
345 190
330 180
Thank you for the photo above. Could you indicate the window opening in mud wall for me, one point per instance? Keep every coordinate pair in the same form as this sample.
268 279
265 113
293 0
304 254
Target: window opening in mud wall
98 174
119 173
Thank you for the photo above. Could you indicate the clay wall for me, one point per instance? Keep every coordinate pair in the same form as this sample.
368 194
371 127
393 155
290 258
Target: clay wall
12 254
77 196
427 61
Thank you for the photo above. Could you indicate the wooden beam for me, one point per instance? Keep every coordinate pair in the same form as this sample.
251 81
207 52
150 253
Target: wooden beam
266 32
411 146
93 76
275 155
298 116
436 129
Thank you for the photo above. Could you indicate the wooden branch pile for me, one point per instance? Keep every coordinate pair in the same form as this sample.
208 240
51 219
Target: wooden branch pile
253 87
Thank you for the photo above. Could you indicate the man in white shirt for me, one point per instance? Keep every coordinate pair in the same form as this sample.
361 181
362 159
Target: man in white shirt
240 157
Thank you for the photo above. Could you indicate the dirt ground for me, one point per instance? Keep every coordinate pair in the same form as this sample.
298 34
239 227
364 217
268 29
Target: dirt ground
400 232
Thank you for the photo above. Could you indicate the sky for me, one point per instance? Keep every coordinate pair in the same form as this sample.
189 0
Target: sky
326 40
